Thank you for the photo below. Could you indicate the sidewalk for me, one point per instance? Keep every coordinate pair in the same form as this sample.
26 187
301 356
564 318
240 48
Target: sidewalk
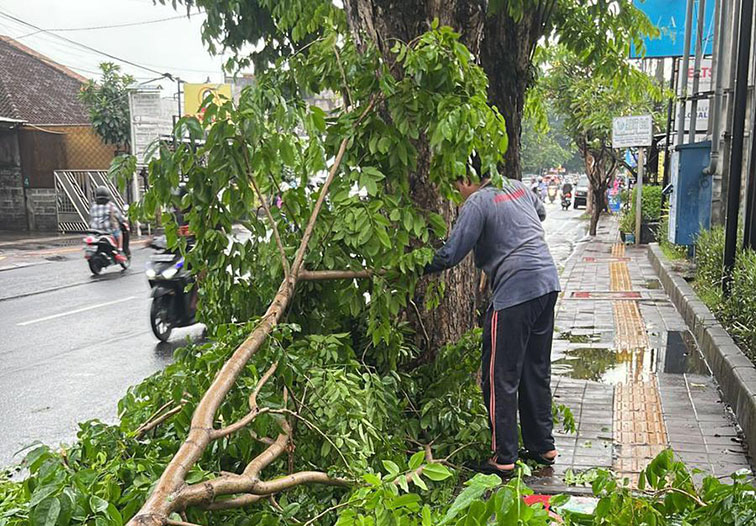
625 363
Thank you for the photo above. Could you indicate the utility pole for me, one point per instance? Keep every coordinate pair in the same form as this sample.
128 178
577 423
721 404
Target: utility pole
684 75
639 195
697 71
738 130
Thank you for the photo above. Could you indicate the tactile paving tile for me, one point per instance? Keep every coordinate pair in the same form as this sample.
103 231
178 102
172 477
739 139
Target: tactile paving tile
639 429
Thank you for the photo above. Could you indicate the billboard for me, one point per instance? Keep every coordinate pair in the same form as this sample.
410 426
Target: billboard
194 94
149 120
669 17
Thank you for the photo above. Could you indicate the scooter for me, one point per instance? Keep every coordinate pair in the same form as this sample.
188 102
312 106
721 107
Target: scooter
566 201
172 306
552 193
100 249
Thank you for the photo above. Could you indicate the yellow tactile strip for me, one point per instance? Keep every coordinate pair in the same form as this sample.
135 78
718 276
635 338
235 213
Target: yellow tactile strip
629 329
639 428
639 431
619 276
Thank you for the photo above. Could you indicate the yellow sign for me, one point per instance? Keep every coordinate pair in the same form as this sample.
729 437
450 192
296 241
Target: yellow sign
195 94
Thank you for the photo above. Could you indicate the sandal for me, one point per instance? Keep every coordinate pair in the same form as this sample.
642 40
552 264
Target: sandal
487 468
538 458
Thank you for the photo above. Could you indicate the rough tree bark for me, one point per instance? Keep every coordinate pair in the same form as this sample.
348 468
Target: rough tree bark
383 22
506 56
600 167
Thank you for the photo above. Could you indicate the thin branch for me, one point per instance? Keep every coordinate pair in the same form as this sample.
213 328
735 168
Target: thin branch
662 491
316 429
150 425
343 77
254 411
420 320
264 204
323 275
172 522
325 512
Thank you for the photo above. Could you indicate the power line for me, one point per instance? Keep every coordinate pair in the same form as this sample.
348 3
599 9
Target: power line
84 46
94 28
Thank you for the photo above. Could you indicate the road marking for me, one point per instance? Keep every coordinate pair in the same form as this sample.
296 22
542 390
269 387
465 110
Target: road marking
76 311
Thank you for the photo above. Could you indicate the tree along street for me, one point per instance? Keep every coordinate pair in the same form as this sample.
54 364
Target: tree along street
72 344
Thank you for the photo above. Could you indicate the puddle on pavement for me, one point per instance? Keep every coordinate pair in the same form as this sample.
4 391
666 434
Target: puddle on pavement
580 338
681 354
585 363
653 284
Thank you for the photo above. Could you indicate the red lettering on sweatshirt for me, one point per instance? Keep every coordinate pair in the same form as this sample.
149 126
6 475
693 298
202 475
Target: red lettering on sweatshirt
517 194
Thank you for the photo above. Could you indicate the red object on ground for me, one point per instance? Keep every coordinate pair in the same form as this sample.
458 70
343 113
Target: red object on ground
542 499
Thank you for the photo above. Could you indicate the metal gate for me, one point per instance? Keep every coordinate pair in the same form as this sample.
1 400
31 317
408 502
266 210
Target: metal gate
74 194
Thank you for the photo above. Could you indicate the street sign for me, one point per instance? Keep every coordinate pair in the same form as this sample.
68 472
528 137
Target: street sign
632 131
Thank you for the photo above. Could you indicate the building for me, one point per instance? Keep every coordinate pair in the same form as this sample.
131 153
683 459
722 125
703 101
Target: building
43 127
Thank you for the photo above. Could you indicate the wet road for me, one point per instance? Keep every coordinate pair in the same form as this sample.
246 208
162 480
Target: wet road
71 345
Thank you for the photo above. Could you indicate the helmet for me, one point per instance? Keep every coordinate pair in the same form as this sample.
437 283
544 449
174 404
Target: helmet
102 195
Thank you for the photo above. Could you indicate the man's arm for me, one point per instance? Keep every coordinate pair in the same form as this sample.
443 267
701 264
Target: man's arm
540 209
463 238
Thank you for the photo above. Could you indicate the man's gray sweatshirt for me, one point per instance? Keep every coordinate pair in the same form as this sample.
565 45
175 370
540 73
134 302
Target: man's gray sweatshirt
503 228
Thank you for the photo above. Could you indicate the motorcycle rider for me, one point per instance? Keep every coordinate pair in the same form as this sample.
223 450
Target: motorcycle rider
105 216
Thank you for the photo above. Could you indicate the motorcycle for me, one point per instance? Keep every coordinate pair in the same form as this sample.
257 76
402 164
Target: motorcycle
100 249
566 200
552 193
172 306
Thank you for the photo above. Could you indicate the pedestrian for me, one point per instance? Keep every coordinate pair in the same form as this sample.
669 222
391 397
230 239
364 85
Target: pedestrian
503 229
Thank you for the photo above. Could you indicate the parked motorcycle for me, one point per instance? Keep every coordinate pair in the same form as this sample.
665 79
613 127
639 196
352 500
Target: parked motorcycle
100 249
172 306
566 200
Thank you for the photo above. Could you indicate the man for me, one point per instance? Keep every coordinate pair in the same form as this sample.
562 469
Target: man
105 216
503 228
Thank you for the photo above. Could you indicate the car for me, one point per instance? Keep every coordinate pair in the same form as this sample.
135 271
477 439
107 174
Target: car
581 192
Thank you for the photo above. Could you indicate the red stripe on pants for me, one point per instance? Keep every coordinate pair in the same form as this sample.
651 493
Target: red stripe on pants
492 392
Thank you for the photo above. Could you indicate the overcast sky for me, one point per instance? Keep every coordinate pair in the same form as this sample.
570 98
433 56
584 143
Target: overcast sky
173 46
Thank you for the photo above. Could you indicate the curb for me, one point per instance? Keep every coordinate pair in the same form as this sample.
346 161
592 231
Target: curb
734 372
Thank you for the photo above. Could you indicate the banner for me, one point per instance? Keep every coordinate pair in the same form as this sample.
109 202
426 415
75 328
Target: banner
149 120
194 94
669 17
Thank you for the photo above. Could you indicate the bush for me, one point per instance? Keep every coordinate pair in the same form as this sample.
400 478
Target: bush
710 266
651 209
737 312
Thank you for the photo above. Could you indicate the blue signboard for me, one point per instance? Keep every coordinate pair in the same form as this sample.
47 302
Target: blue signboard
669 17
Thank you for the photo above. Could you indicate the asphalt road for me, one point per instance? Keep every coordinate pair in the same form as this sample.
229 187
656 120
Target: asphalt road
71 344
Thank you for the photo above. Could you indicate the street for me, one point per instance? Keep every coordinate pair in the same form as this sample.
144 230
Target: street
72 344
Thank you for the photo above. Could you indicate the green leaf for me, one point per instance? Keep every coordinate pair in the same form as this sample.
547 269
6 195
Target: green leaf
391 467
46 513
436 472
416 460
419 482
98 505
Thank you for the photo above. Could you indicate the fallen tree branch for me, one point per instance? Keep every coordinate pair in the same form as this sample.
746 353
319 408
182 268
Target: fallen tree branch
172 522
165 497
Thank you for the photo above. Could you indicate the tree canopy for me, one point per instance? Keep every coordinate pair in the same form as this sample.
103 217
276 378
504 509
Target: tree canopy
108 104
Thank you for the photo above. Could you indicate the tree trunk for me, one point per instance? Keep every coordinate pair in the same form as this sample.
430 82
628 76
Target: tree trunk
506 55
384 21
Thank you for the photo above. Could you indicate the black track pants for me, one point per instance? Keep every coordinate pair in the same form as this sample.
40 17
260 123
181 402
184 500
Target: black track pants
517 373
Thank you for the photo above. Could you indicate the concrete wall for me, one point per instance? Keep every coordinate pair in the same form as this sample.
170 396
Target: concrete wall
43 214
12 211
